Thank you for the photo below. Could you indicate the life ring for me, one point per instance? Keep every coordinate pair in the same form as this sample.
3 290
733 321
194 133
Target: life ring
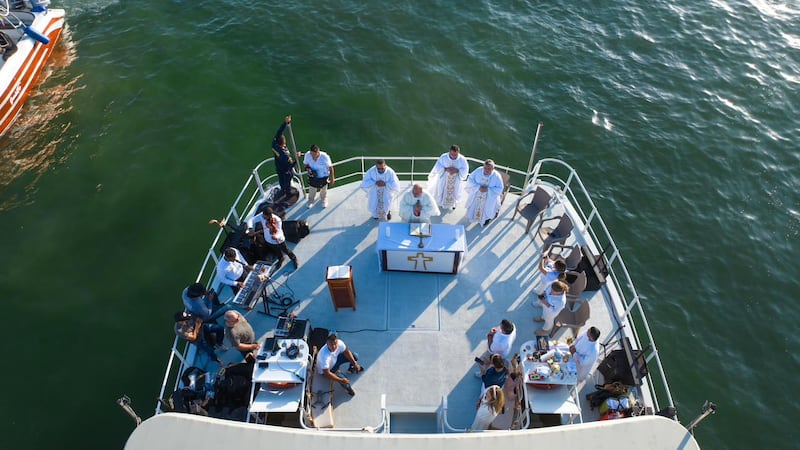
281 385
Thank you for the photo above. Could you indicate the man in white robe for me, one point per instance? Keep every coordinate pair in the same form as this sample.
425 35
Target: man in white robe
418 205
585 350
446 179
484 188
381 185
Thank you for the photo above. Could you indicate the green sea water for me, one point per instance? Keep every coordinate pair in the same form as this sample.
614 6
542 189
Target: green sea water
680 116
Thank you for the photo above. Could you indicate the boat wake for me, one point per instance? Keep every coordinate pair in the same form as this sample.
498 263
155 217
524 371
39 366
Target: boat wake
31 146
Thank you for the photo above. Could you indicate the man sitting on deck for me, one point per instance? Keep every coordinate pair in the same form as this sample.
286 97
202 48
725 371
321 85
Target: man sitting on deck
199 302
232 268
331 356
418 206
240 333
205 336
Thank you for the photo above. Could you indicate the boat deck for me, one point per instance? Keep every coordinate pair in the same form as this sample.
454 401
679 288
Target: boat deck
416 334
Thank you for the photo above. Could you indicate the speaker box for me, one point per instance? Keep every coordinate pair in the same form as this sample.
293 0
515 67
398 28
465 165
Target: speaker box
294 230
318 337
627 366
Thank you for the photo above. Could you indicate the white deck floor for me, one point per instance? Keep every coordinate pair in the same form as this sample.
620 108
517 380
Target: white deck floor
416 334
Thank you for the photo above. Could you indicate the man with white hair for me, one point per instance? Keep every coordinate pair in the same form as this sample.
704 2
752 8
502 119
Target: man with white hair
381 184
485 187
418 205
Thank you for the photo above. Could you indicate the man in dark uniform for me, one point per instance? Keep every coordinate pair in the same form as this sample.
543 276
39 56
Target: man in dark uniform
283 159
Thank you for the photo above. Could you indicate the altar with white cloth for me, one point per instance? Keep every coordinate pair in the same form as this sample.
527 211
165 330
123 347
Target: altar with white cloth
442 251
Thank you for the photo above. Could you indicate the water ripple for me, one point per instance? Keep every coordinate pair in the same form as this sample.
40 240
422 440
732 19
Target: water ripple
680 116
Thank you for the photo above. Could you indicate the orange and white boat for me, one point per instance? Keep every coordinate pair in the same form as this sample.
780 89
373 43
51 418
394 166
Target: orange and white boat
28 33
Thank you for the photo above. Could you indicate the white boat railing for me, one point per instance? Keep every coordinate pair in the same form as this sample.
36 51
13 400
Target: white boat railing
562 175
413 169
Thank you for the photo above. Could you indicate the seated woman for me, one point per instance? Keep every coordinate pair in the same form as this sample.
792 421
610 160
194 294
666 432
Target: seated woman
489 406
494 375
511 390
205 336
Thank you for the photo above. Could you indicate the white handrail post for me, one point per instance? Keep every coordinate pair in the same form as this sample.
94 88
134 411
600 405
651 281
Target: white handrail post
258 183
296 165
533 156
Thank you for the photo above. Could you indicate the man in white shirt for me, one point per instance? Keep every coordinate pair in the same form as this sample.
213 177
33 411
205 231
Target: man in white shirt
585 350
485 187
332 355
418 206
381 184
320 174
272 225
232 268
500 340
446 179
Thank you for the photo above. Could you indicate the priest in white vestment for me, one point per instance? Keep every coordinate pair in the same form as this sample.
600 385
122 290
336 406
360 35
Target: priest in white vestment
381 185
418 205
484 189
446 179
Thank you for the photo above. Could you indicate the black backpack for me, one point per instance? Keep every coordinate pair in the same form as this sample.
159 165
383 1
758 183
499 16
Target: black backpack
294 230
232 391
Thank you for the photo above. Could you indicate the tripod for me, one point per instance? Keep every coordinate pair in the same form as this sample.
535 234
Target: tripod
279 297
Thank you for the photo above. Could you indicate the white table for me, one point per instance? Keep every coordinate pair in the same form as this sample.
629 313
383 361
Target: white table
279 369
561 399
442 252
556 394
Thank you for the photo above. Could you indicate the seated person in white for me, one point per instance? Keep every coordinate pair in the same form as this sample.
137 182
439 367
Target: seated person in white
552 302
446 179
500 339
585 350
332 355
232 268
551 270
418 205
381 185
489 406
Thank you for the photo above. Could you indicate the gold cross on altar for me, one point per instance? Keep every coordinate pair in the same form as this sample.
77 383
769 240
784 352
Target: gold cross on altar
418 257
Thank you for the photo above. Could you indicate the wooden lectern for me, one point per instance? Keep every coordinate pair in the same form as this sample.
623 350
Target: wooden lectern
340 285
